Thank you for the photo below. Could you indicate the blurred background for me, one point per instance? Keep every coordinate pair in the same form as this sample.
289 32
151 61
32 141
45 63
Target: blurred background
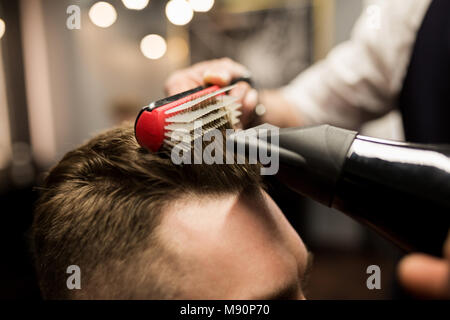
63 79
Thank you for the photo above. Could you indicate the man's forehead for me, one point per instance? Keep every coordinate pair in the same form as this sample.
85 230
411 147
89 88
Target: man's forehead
194 216
199 212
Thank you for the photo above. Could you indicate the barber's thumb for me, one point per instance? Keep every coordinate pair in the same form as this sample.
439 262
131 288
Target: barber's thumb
425 276
221 78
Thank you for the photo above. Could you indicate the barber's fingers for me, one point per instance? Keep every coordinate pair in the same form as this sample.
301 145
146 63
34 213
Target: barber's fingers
222 71
218 71
425 276
183 80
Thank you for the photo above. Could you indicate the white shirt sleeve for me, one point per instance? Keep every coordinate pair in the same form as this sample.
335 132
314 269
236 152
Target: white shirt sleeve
361 78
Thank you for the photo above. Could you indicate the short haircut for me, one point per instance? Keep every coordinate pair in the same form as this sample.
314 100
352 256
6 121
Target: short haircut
100 208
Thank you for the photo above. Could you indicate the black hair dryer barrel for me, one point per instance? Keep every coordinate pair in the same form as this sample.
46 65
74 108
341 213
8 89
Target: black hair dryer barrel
401 190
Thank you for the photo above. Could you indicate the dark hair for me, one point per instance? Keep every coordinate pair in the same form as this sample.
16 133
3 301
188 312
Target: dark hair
100 207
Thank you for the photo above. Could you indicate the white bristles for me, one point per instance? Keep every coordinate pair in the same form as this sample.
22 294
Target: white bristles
235 117
192 103
182 146
211 111
189 126
196 114
190 136
234 106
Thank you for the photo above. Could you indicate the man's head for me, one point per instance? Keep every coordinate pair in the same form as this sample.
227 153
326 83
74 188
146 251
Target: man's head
141 227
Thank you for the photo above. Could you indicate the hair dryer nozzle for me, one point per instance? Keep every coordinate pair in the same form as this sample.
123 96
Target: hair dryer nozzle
310 158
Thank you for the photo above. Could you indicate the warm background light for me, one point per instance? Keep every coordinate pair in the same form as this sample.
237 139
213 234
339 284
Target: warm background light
177 49
153 46
103 14
2 28
201 5
135 4
179 12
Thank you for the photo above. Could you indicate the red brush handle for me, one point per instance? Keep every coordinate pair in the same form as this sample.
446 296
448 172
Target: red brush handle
149 126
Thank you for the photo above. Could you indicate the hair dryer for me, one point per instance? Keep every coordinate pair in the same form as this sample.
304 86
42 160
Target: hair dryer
401 190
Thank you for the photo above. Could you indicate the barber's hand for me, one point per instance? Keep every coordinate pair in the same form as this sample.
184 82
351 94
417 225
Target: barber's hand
219 72
426 276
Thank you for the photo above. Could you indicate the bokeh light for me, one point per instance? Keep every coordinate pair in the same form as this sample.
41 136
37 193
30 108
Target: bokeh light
201 5
179 12
153 46
2 28
103 14
135 4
